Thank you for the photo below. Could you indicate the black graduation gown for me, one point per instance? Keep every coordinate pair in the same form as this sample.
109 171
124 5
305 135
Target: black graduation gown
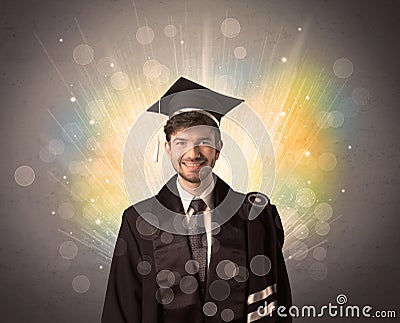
134 294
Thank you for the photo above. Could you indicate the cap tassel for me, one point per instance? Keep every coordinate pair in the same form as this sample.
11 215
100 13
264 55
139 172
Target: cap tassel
156 150
157 147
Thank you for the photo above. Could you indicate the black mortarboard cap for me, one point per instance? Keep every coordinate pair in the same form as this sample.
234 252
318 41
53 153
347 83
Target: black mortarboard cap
185 95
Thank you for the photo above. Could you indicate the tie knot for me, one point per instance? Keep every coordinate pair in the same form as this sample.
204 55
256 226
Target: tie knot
198 205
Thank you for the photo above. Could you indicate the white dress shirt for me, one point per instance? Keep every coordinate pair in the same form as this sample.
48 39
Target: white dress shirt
207 197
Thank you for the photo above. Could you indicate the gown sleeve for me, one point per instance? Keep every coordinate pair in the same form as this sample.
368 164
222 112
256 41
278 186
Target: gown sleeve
284 291
123 296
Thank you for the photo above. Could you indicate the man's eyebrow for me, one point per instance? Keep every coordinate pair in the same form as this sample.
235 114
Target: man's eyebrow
179 138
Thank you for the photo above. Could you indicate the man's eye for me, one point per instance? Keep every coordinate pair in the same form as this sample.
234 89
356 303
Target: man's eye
180 143
204 142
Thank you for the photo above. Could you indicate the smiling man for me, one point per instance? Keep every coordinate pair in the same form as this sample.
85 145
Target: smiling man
198 251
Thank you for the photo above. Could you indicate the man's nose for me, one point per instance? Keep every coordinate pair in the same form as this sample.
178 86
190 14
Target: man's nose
193 152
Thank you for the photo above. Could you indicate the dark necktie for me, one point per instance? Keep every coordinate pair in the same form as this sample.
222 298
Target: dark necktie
198 242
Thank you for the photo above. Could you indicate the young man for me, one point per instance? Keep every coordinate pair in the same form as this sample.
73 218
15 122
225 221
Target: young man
198 251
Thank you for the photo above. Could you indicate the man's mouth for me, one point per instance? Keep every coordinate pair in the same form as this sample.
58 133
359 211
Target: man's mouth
193 165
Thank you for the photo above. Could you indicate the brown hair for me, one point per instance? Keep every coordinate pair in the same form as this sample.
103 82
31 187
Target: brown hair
189 119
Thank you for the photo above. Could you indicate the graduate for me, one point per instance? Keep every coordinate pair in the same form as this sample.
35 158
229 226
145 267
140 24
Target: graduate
198 251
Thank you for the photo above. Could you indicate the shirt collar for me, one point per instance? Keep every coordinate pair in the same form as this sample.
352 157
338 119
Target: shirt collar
186 197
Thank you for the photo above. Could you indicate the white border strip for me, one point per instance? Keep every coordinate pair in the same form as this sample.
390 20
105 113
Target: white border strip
261 312
261 295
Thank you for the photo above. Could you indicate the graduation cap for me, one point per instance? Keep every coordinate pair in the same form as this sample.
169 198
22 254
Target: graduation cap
185 96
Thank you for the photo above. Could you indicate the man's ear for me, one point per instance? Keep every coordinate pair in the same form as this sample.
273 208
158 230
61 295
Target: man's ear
167 148
218 148
220 144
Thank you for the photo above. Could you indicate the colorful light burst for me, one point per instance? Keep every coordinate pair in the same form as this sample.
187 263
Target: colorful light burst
295 99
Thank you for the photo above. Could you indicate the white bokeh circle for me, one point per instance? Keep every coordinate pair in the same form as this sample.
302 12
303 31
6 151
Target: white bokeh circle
47 154
144 267
145 35
57 145
240 52
68 250
298 250
219 290
24 175
210 308
149 67
260 265
323 211
119 81
230 27
170 31
164 295
83 54
343 68
327 161
81 284
335 119
95 109
66 210
227 315
188 284
361 96
322 228
319 253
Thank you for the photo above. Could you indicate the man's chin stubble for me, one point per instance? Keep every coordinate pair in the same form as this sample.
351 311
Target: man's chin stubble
195 180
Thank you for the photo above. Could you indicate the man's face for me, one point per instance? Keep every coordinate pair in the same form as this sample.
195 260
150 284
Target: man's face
193 152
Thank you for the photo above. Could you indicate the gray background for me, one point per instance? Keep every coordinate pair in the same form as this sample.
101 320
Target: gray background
362 248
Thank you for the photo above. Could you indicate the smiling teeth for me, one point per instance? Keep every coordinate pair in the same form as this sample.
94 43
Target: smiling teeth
193 164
